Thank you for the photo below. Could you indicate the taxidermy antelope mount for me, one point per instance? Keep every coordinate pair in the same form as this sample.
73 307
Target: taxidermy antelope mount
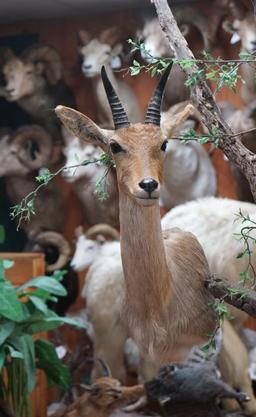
165 302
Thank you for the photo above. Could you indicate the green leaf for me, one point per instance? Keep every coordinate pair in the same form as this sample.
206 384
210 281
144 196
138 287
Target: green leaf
25 345
10 306
15 353
134 71
47 359
45 283
6 328
38 303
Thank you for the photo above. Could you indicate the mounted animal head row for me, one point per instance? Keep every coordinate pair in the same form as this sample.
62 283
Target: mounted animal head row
25 150
36 67
156 42
137 149
89 244
100 51
241 22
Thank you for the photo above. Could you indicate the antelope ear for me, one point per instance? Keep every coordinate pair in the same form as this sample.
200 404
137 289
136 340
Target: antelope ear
83 127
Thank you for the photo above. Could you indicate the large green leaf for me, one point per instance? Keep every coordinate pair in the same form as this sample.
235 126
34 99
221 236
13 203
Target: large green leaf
6 328
10 306
47 359
26 345
38 303
42 322
45 283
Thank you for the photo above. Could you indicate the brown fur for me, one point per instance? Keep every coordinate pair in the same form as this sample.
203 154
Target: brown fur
102 398
165 305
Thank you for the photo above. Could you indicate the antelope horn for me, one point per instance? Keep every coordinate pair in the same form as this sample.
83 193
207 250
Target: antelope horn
154 108
103 229
120 117
45 239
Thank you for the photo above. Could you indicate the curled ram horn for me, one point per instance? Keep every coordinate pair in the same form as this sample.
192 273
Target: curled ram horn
103 229
34 146
48 58
45 242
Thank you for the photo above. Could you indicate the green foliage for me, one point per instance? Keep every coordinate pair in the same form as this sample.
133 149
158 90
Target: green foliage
23 314
26 208
247 236
212 137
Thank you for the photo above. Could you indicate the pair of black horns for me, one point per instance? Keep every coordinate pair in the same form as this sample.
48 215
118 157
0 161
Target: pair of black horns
154 108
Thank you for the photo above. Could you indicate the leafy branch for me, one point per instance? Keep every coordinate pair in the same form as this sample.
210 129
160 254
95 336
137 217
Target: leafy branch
223 72
26 208
248 275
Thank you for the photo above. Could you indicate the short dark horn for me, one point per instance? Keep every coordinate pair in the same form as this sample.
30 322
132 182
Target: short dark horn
119 115
154 107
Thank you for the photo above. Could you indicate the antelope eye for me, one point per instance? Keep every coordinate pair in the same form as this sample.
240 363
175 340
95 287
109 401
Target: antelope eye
115 147
163 146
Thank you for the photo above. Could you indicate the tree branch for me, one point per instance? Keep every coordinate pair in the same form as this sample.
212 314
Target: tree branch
237 296
203 99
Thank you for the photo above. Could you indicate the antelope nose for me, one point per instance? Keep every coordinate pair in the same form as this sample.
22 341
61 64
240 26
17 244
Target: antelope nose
148 184
87 67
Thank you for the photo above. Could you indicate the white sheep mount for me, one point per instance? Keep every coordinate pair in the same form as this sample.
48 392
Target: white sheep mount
102 51
84 178
105 281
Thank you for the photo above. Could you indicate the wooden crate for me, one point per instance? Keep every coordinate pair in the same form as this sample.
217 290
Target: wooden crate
27 266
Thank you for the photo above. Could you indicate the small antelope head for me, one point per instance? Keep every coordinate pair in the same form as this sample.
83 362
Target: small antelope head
137 149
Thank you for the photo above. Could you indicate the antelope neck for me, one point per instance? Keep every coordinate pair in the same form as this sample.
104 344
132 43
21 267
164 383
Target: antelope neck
147 277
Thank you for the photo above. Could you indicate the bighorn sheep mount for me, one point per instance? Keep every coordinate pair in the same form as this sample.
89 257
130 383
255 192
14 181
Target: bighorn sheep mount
22 153
164 319
34 81
157 45
101 51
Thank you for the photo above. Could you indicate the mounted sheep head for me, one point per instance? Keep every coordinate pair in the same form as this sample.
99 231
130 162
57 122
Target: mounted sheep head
25 150
89 244
242 25
156 42
99 51
77 151
30 72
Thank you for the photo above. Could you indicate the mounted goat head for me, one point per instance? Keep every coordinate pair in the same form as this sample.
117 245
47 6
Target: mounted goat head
105 50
